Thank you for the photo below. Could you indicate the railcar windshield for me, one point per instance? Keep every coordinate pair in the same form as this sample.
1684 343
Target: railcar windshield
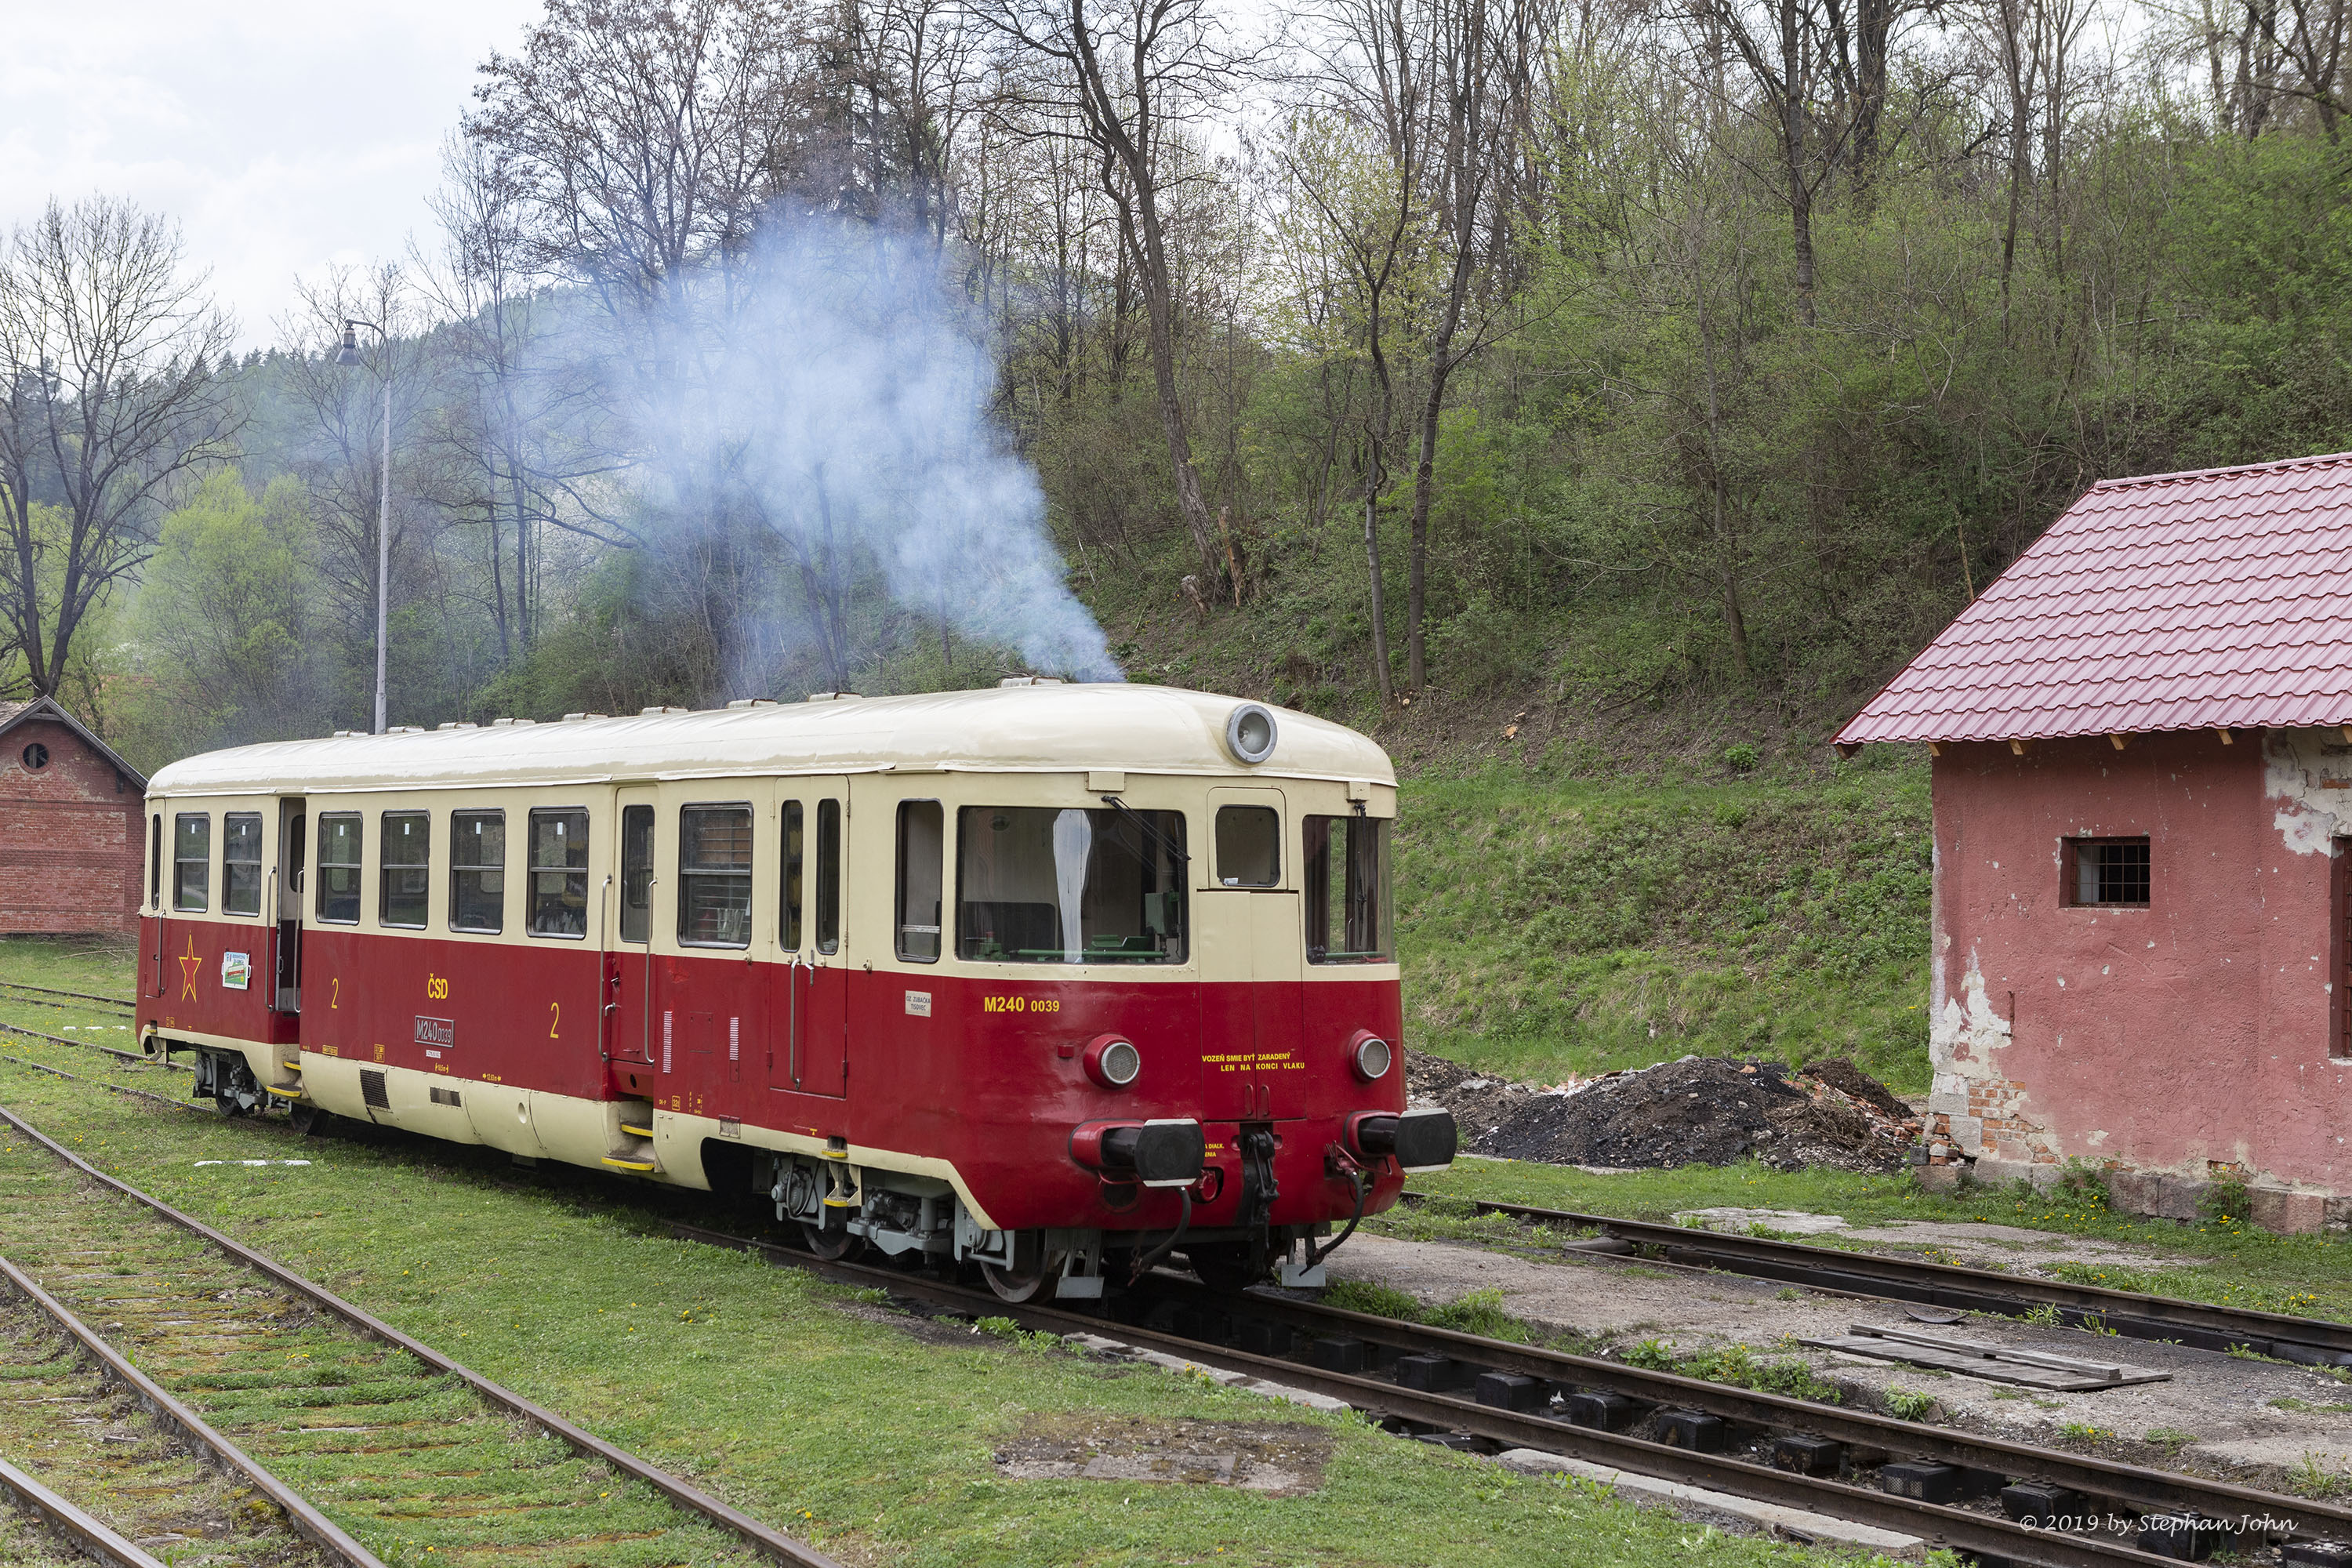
1350 917
1037 885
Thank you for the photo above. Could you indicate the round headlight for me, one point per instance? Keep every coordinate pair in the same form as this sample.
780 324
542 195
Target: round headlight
1249 734
1372 1058
1113 1061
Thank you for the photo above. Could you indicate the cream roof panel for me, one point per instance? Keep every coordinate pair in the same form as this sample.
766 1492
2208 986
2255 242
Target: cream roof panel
1139 728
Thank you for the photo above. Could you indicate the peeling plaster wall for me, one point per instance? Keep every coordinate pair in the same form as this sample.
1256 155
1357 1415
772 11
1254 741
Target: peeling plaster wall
2193 1034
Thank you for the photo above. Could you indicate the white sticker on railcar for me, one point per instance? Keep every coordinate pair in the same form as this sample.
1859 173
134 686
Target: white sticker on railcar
919 1004
236 971
734 1040
665 1023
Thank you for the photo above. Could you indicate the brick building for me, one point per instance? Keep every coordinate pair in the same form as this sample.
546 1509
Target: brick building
2142 779
70 810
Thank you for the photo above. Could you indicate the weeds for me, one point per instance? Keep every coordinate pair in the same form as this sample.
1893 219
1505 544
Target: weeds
1910 1405
2084 1432
2172 1439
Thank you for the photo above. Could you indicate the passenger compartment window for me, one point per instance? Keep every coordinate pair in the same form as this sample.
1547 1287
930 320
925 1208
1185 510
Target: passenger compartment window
477 871
1348 917
788 932
1249 846
241 863
338 868
636 873
192 855
1037 885
922 874
558 872
714 875
828 875
405 865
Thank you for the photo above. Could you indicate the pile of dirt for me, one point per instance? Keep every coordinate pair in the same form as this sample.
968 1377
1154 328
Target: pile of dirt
1700 1111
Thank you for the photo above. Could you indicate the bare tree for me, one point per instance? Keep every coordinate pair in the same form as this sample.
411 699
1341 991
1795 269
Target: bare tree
1136 70
108 403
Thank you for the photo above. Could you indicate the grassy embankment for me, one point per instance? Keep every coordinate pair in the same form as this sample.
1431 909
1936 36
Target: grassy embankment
791 1398
1553 924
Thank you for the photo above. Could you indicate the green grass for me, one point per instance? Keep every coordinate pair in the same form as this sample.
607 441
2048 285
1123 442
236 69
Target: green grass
1551 925
2221 1259
102 966
786 1395
1738 1365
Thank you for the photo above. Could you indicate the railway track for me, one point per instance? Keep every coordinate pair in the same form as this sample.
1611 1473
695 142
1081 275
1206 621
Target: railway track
1818 1457
1356 1358
14 989
113 1051
2310 1342
401 1440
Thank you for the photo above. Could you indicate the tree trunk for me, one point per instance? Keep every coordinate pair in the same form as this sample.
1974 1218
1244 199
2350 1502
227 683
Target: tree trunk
1379 602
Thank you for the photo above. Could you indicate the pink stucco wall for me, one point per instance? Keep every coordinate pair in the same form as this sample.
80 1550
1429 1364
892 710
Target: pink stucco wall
2193 1034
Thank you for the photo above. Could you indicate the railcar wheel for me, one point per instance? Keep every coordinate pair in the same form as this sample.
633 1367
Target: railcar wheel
307 1119
832 1245
225 1104
1229 1266
1021 1286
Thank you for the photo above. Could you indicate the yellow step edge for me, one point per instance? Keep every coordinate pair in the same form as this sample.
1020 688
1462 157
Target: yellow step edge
833 1203
630 1165
283 1093
837 1153
291 1067
636 1131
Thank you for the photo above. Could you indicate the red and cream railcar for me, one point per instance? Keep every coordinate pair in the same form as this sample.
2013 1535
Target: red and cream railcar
1036 977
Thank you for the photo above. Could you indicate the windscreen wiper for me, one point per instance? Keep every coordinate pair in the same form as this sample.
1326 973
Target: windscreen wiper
1143 826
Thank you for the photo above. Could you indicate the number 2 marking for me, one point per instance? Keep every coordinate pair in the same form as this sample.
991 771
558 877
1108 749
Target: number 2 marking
556 1009
334 997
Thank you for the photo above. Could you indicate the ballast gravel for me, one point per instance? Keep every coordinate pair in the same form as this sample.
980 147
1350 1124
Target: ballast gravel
1699 1110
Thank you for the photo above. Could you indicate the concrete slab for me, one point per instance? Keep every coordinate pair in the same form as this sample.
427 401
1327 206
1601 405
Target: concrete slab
1773 1519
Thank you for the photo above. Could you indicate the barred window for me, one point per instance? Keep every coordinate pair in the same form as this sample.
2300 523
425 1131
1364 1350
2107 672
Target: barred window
714 875
192 855
241 863
2112 872
477 876
338 868
558 872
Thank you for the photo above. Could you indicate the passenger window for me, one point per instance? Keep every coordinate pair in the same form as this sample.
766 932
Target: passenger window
1346 866
788 935
192 855
477 874
404 868
714 876
1041 885
558 872
1249 846
241 863
338 868
921 846
828 875
636 873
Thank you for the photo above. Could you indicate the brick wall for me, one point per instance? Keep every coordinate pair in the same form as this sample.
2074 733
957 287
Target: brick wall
70 856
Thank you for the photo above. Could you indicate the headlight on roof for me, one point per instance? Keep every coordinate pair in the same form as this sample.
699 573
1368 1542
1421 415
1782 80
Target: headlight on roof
1250 733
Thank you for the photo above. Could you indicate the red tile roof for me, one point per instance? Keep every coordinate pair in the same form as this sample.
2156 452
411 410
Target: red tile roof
2212 600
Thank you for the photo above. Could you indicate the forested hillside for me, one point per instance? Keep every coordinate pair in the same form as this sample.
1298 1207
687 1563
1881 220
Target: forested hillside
1565 392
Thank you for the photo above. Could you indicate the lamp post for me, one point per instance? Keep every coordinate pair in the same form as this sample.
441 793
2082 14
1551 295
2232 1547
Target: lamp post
349 353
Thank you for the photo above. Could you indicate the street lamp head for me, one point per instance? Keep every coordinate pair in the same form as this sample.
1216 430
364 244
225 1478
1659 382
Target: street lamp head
349 353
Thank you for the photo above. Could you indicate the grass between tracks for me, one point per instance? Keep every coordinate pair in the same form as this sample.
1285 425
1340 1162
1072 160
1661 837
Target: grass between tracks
2219 1259
789 1397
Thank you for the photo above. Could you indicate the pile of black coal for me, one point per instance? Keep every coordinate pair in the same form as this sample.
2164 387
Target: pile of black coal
1700 1111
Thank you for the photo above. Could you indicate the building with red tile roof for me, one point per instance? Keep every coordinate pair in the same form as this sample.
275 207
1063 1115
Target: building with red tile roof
2142 775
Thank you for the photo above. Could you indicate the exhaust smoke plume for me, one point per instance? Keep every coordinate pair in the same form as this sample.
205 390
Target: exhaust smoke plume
828 389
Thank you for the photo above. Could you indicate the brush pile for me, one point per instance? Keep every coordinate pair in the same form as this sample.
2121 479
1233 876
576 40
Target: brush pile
1700 1111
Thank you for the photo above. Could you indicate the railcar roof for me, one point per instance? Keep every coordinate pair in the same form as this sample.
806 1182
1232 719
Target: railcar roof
1029 729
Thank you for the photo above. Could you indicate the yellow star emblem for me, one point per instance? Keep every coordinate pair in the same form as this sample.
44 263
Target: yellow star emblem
189 966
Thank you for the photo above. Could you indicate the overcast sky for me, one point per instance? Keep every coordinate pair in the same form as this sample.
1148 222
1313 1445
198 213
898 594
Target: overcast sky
284 137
